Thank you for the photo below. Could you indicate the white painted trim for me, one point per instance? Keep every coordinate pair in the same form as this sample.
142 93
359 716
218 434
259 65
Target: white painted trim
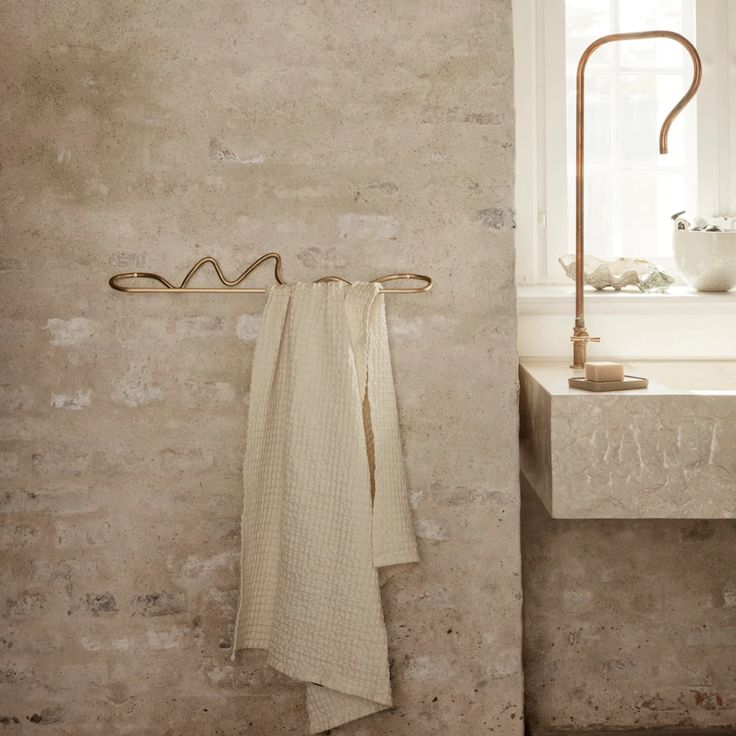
716 42
554 203
554 299
730 21
707 100
527 155
680 324
539 88
638 337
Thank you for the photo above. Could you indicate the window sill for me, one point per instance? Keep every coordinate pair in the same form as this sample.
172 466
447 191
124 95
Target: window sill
547 299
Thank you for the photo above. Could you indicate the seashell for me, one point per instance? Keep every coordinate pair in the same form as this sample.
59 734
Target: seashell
717 224
619 273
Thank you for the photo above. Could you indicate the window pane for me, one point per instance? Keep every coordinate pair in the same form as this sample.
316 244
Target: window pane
647 15
599 215
586 21
641 193
599 100
644 100
631 190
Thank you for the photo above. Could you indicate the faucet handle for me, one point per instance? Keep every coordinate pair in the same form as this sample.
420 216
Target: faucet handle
585 339
580 340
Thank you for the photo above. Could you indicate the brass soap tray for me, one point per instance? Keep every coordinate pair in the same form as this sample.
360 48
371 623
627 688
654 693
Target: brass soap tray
629 382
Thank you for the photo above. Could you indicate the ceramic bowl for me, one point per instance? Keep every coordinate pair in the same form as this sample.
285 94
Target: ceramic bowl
707 261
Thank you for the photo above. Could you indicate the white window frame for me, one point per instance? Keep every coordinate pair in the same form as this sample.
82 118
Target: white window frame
541 157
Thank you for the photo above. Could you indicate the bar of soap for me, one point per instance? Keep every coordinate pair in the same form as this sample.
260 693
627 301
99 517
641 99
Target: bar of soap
604 371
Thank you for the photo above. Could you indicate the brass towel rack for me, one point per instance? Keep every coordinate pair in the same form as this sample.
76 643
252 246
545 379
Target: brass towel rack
231 286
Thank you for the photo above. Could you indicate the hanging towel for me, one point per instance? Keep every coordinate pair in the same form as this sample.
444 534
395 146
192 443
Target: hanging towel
325 499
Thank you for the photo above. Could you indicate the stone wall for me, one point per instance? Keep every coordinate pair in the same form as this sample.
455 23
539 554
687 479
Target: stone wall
357 138
628 624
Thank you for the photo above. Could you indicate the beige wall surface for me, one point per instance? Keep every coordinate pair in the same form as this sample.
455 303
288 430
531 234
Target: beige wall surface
357 138
629 624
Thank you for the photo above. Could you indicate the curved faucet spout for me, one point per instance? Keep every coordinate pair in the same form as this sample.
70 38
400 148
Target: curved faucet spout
580 337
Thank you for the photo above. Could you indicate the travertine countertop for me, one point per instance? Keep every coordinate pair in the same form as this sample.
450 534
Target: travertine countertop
552 375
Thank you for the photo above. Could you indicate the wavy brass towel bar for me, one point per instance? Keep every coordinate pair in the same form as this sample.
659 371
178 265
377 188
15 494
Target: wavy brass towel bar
230 287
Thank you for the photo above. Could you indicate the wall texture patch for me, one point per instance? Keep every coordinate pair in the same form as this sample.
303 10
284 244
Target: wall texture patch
628 624
362 138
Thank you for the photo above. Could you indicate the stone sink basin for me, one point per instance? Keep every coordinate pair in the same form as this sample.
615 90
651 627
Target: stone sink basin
665 452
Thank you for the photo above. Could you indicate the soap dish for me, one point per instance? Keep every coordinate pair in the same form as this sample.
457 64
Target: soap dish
629 382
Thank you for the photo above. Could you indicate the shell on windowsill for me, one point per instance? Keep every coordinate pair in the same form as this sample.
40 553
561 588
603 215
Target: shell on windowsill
619 273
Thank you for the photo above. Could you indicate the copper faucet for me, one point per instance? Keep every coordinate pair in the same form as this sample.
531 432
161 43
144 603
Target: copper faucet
580 337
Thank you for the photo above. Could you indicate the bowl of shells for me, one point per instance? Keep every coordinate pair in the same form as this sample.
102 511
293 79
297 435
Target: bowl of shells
705 252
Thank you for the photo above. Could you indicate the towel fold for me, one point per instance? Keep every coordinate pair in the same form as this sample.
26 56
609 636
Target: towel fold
325 499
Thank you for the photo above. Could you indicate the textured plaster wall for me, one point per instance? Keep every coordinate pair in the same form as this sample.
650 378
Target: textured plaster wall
629 624
358 138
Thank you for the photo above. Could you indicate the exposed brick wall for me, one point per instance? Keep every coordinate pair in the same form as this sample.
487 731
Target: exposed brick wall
357 138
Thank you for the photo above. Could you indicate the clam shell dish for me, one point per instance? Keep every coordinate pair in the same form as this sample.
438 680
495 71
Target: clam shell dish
619 273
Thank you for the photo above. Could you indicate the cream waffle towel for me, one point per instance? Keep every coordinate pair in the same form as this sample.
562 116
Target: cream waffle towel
325 500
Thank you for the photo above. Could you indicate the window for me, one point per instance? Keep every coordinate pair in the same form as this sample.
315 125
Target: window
631 190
